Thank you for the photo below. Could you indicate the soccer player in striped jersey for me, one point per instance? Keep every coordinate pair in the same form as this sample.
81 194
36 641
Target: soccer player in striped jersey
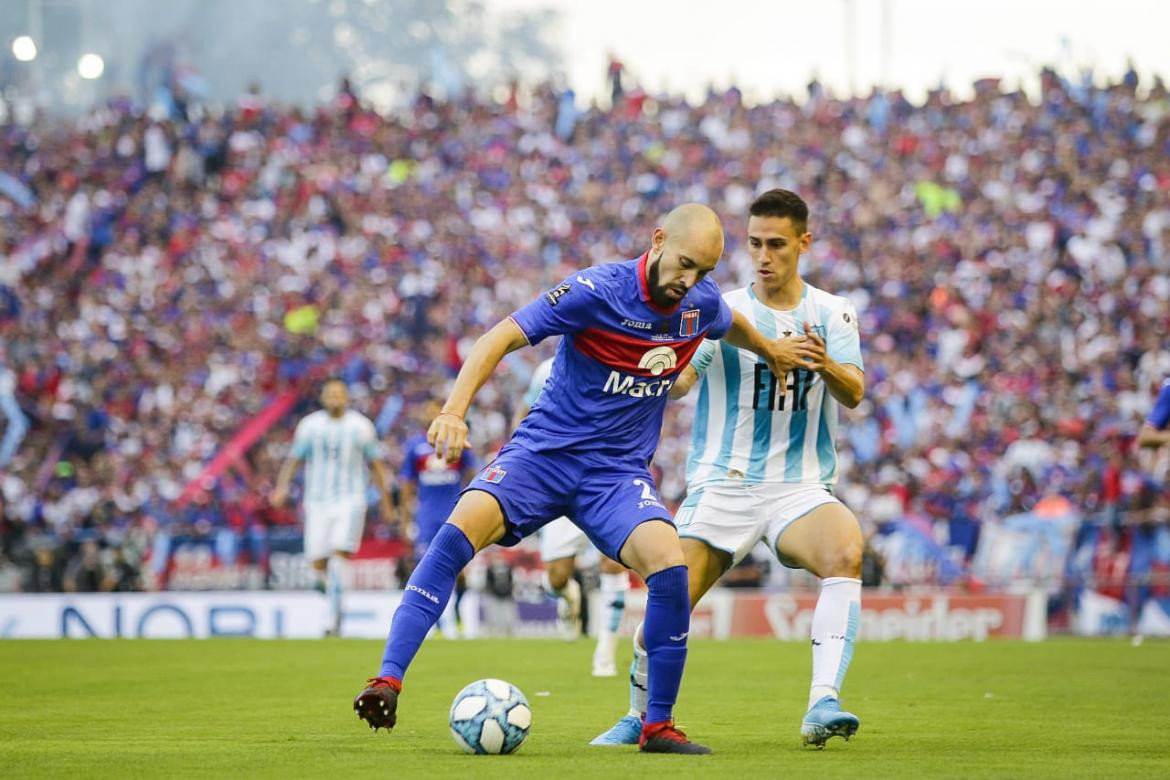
560 544
336 443
763 459
1155 431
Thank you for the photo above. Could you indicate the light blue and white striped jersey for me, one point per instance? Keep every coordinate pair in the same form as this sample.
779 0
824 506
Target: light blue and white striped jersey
335 451
745 423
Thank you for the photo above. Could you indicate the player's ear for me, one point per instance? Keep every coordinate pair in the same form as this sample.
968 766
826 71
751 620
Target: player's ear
658 239
805 241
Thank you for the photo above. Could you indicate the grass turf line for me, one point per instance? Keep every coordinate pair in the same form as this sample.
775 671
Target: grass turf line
119 708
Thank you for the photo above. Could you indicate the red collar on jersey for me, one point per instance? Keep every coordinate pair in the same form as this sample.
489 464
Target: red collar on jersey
644 286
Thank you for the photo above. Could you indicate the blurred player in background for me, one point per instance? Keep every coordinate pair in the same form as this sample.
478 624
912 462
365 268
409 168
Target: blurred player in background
1155 431
629 328
336 443
428 489
763 457
560 544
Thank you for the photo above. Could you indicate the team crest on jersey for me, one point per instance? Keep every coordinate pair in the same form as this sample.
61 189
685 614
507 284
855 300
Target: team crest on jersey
556 293
689 324
494 475
820 331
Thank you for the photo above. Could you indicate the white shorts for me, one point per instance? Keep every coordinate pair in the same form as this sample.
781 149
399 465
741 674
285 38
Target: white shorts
561 539
333 526
734 516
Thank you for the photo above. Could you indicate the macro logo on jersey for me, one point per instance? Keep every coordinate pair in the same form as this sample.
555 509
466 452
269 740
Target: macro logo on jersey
659 360
494 475
689 323
556 293
633 354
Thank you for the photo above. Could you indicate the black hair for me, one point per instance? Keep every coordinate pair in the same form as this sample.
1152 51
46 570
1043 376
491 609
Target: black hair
782 203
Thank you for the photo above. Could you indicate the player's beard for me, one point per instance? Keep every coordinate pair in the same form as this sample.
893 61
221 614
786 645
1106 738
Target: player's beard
657 293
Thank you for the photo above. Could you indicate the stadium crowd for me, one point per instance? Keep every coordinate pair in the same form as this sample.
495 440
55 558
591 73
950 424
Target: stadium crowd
164 278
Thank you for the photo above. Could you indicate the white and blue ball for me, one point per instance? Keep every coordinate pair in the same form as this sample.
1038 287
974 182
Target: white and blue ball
490 717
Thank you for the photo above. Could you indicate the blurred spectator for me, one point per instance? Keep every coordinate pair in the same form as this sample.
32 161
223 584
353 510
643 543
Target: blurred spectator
164 278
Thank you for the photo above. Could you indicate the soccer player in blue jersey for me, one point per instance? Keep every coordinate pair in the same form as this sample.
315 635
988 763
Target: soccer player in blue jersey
584 449
560 544
429 488
763 460
1155 432
336 443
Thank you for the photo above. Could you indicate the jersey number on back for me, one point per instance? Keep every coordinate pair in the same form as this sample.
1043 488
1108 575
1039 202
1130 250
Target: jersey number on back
767 393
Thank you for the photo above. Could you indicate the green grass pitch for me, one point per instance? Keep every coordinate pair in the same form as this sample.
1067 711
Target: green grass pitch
245 708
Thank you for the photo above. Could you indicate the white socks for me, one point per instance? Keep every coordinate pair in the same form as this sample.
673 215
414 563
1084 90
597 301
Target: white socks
613 601
834 627
335 571
639 677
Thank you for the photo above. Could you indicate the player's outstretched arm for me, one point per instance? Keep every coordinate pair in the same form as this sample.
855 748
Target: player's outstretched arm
686 380
448 432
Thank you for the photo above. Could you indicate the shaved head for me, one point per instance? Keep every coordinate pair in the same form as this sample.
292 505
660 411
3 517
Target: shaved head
695 224
686 247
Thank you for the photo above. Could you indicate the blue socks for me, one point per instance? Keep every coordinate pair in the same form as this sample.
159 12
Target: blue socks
664 632
426 595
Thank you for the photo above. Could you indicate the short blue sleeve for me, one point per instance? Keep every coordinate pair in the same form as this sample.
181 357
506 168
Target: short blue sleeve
703 356
722 321
566 308
844 337
1160 417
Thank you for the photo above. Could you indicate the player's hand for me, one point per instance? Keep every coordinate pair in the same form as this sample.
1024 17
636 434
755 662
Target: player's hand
448 435
788 354
278 496
816 352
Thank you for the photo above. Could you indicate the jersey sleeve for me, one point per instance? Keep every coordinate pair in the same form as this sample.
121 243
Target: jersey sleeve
844 337
301 443
722 321
566 308
1160 417
703 356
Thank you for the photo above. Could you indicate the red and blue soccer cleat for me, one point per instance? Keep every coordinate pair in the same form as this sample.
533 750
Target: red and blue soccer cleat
378 703
663 737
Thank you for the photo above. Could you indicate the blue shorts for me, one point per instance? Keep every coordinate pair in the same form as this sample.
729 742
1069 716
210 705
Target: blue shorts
606 500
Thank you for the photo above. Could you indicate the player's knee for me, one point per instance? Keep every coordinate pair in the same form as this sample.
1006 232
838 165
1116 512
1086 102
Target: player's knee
845 561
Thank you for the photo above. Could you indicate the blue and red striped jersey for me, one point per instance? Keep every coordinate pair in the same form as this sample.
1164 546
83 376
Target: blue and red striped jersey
618 359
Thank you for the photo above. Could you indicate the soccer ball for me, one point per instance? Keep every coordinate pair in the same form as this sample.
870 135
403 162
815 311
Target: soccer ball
490 716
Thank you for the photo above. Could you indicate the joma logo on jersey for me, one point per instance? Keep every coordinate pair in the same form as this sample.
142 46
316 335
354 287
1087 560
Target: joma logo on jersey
637 324
626 385
689 324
